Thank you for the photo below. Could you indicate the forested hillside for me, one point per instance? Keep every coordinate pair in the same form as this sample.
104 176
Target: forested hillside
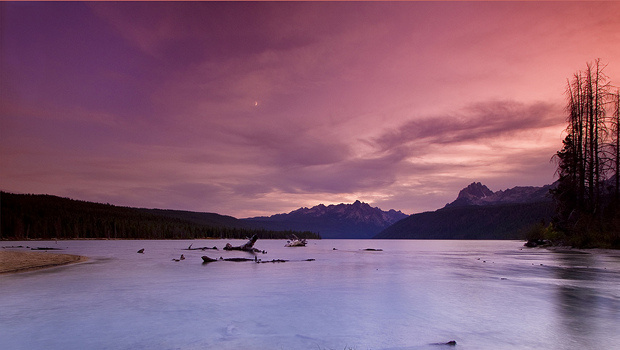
503 221
51 217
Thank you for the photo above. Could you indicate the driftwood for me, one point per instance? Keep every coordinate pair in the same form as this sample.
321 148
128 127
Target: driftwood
199 248
45 248
279 261
296 242
450 343
373 250
237 259
206 259
248 247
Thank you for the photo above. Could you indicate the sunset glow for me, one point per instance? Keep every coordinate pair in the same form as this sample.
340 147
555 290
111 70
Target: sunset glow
250 109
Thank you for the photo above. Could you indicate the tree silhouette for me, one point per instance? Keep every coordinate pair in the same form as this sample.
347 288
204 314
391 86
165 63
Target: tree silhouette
587 192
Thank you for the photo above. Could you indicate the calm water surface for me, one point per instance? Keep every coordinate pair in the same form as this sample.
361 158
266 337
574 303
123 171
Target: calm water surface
411 295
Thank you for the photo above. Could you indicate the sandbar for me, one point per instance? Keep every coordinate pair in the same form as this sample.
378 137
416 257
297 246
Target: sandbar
11 262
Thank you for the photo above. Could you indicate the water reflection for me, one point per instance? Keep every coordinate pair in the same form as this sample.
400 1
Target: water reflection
579 304
483 295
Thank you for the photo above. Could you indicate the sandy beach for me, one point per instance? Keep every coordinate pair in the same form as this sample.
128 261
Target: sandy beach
11 262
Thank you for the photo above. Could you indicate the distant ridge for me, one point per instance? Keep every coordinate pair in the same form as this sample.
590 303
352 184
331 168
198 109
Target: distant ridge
27 216
479 213
478 194
357 220
476 213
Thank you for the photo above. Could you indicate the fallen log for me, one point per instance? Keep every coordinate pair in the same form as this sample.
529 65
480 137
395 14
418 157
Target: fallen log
199 248
206 259
247 247
272 261
237 259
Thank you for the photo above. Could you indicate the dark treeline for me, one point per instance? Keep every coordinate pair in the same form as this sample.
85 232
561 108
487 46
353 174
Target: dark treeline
588 192
502 221
50 217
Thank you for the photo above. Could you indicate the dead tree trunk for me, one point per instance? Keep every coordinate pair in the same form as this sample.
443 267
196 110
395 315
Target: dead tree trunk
248 247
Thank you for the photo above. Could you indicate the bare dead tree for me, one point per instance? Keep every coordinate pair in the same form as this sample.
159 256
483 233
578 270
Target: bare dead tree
615 122
590 156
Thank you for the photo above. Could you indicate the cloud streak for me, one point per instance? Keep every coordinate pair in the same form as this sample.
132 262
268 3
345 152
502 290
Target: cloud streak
475 123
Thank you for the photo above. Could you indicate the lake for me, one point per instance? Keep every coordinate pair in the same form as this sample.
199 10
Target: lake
414 294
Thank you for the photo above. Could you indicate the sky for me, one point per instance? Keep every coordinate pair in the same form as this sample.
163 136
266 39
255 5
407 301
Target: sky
254 108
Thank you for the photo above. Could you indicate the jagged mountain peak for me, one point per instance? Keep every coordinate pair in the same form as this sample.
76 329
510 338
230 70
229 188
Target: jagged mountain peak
475 190
478 194
471 194
355 220
357 208
479 213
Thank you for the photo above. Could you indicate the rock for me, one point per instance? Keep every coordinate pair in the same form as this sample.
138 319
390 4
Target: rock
450 343
533 243
141 251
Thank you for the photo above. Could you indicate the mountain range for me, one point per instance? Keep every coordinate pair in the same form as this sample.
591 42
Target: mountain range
479 213
357 220
476 213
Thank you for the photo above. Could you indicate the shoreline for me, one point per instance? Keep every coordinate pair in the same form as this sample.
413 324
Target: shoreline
16 262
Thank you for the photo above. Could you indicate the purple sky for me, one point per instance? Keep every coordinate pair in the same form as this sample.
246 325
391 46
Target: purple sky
250 109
